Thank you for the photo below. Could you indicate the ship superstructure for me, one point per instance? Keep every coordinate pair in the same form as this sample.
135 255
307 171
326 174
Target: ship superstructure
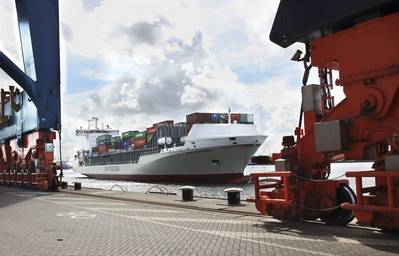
93 131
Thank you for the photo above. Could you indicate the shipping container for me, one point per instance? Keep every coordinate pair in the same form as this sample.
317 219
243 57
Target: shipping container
250 118
129 134
139 142
115 145
214 118
149 137
94 149
104 142
198 118
104 137
140 135
181 124
116 139
163 123
102 149
125 144
235 118
151 130
243 118
223 118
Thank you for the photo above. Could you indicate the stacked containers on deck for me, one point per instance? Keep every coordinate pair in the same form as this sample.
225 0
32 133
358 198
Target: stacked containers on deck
125 144
102 149
94 151
103 139
139 140
204 118
235 118
246 118
198 118
129 134
250 118
150 132
214 118
115 141
126 141
158 129
103 143
175 132
223 118
163 123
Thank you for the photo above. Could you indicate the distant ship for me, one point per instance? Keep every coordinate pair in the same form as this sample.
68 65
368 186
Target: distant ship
208 148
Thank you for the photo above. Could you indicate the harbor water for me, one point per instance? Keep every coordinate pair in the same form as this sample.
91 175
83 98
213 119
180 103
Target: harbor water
209 190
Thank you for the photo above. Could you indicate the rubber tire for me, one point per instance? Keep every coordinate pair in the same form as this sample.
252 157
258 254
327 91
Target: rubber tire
341 217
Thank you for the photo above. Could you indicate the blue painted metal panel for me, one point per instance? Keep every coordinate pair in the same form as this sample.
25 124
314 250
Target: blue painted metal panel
25 120
38 22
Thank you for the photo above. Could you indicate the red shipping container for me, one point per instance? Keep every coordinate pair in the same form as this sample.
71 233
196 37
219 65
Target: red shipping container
198 118
150 130
163 123
235 117
139 142
102 149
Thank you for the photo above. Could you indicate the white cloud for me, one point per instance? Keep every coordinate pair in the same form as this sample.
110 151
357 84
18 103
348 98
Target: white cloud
165 59
191 79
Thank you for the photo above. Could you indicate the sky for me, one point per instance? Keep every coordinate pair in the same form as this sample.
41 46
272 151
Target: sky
134 63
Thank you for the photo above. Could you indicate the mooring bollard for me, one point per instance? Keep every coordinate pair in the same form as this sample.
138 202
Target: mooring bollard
64 184
77 186
187 193
233 196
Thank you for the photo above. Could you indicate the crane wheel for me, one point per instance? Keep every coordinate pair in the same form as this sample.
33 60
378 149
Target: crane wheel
341 217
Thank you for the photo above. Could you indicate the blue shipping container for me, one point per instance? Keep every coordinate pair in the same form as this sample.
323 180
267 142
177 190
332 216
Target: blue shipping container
243 118
125 144
214 118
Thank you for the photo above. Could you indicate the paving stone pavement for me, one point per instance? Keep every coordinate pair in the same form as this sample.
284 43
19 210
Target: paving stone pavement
38 223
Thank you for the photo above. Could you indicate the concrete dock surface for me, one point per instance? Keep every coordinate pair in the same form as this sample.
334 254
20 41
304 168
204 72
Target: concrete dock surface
96 222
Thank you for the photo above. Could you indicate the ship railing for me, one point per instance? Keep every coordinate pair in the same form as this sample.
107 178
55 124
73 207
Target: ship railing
127 157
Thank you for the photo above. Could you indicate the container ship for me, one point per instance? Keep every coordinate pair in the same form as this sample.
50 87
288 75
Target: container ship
207 148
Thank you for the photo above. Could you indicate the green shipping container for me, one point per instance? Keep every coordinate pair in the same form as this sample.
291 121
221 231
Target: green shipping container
104 137
223 118
116 139
149 137
140 134
129 134
243 118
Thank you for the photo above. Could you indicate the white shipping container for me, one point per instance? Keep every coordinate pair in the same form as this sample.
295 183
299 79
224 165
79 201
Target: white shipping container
250 118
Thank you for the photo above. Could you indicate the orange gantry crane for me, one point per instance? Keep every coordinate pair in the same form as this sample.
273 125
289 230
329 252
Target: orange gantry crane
360 40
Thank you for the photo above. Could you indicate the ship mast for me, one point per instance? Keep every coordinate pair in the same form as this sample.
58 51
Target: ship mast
91 133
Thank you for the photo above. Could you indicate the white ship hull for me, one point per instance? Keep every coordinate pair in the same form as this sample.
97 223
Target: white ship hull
209 159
